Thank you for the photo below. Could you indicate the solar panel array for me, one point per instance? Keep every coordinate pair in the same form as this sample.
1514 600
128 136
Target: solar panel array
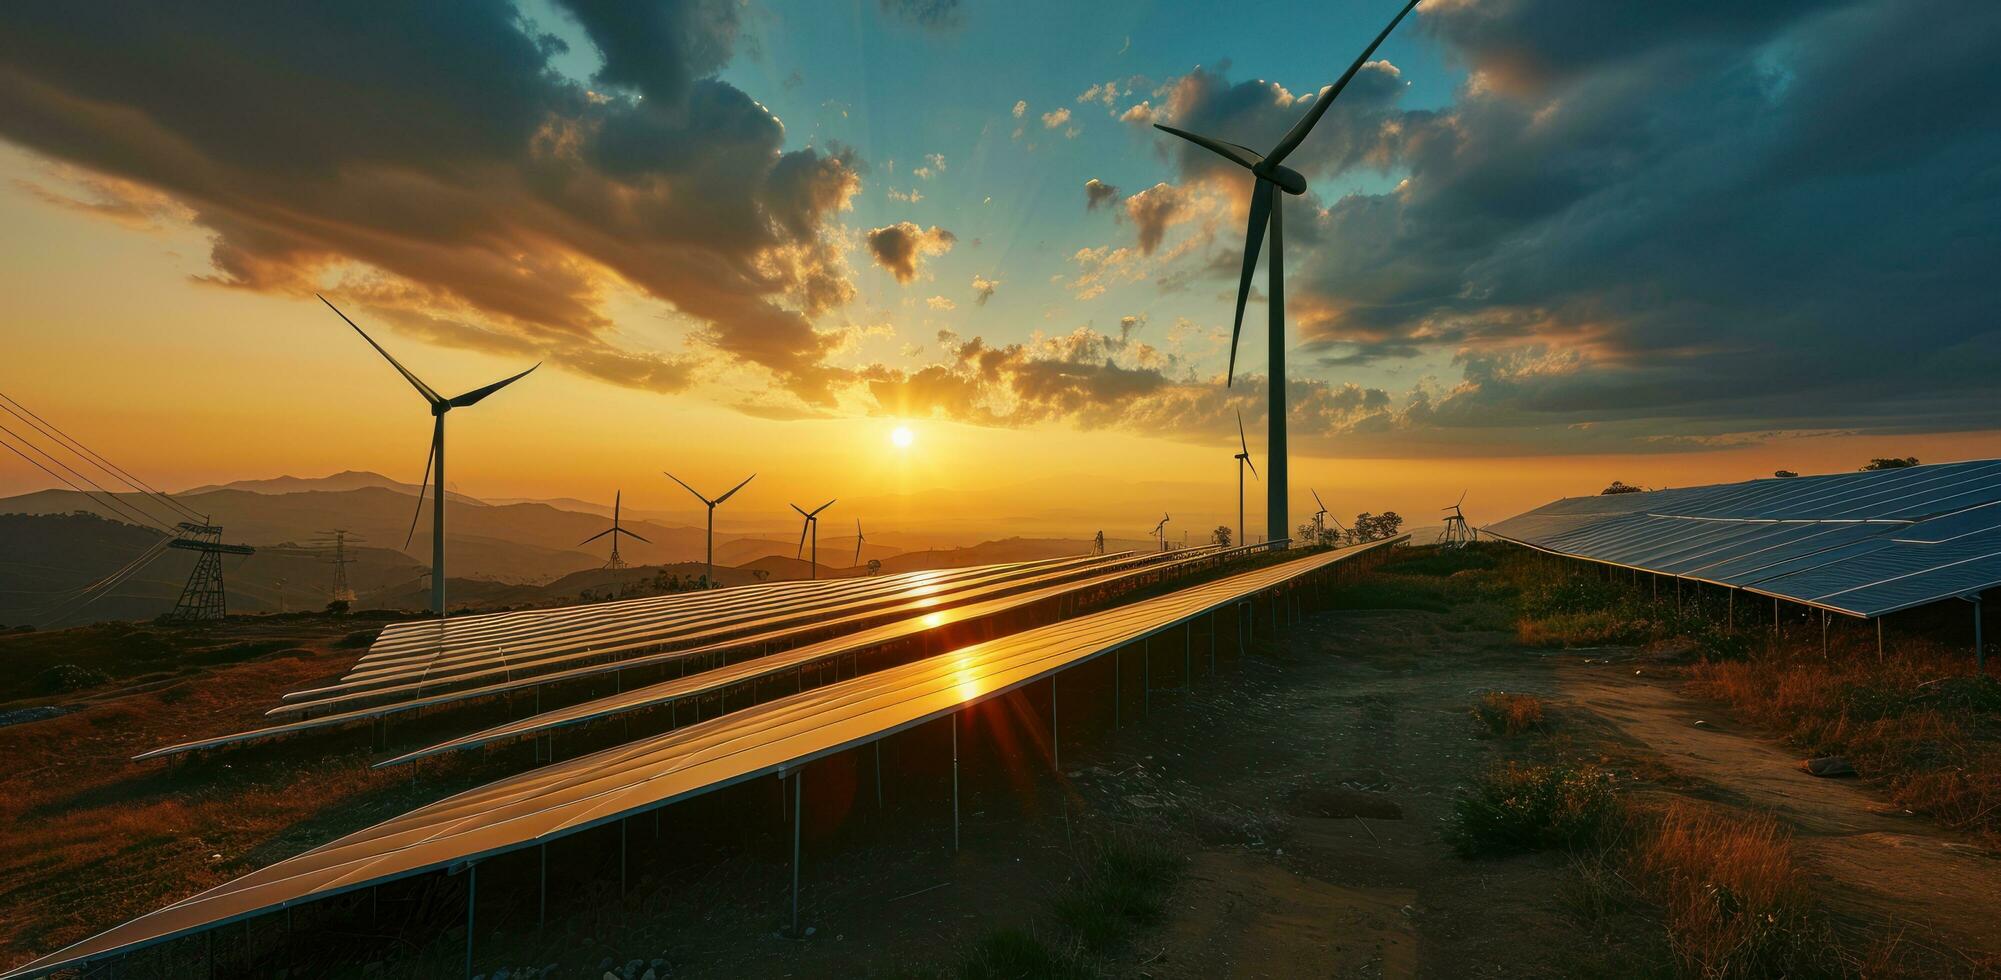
750 671
577 794
509 652
1865 544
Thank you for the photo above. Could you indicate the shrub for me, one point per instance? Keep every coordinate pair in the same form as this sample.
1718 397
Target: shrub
1011 954
1519 808
1509 714
1125 887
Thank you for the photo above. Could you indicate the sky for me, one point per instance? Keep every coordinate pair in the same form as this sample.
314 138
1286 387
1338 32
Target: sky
1546 244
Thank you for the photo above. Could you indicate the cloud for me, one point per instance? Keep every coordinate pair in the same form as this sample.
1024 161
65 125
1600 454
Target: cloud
1154 210
901 247
983 289
910 196
1097 192
1055 118
431 156
934 165
932 15
941 303
1020 108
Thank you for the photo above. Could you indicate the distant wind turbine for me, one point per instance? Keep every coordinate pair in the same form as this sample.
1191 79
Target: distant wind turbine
1271 177
436 463
614 530
710 580
858 542
1319 516
1457 532
813 524
1160 532
1243 460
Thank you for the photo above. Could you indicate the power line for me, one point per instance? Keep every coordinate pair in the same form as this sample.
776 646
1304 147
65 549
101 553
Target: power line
50 429
108 501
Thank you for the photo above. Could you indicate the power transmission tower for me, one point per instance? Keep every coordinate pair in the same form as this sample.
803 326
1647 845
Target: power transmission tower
202 599
337 539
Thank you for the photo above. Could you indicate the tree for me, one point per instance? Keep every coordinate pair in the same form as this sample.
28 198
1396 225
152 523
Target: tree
875 566
1785 474
1221 535
1373 527
1618 487
338 607
1890 463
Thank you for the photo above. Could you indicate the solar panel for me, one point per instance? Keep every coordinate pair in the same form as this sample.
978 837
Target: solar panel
577 794
1865 544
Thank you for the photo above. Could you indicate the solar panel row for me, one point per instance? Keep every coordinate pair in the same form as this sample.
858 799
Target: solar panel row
577 794
1864 544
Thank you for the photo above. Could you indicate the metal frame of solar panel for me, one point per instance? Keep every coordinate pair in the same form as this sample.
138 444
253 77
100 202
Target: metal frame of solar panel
1862 544
777 737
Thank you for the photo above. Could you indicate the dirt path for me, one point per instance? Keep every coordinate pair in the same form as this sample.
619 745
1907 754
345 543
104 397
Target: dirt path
1870 859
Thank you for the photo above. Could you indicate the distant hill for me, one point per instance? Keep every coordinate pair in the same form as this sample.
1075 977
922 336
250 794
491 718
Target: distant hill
46 559
337 483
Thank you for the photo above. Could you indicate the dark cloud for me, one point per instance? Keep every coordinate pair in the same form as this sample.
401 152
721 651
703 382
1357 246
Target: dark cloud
901 247
1098 193
983 289
432 148
1719 219
935 15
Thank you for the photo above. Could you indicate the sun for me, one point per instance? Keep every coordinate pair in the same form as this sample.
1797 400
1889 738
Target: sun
902 437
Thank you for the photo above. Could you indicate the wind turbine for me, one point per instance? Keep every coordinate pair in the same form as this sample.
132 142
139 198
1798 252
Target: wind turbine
1243 460
436 463
614 530
812 523
858 542
1320 516
1457 532
1271 176
1160 532
710 575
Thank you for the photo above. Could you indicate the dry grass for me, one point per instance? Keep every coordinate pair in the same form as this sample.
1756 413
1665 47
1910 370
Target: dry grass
1510 714
1919 722
1735 901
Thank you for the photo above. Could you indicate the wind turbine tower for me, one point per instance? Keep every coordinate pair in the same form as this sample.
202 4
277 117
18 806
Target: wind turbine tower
709 577
614 530
436 463
812 524
1270 178
1160 532
1243 462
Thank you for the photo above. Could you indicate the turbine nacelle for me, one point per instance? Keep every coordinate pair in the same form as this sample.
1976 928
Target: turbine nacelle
1287 179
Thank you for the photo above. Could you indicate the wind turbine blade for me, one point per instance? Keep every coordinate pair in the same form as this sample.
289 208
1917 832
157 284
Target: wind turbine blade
617 498
423 389
801 553
1254 237
1462 497
472 397
1316 500
1253 466
690 489
858 543
1242 443
734 489
817 510
629 534
437 435
1242 156
801 512
1305 125
596 536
